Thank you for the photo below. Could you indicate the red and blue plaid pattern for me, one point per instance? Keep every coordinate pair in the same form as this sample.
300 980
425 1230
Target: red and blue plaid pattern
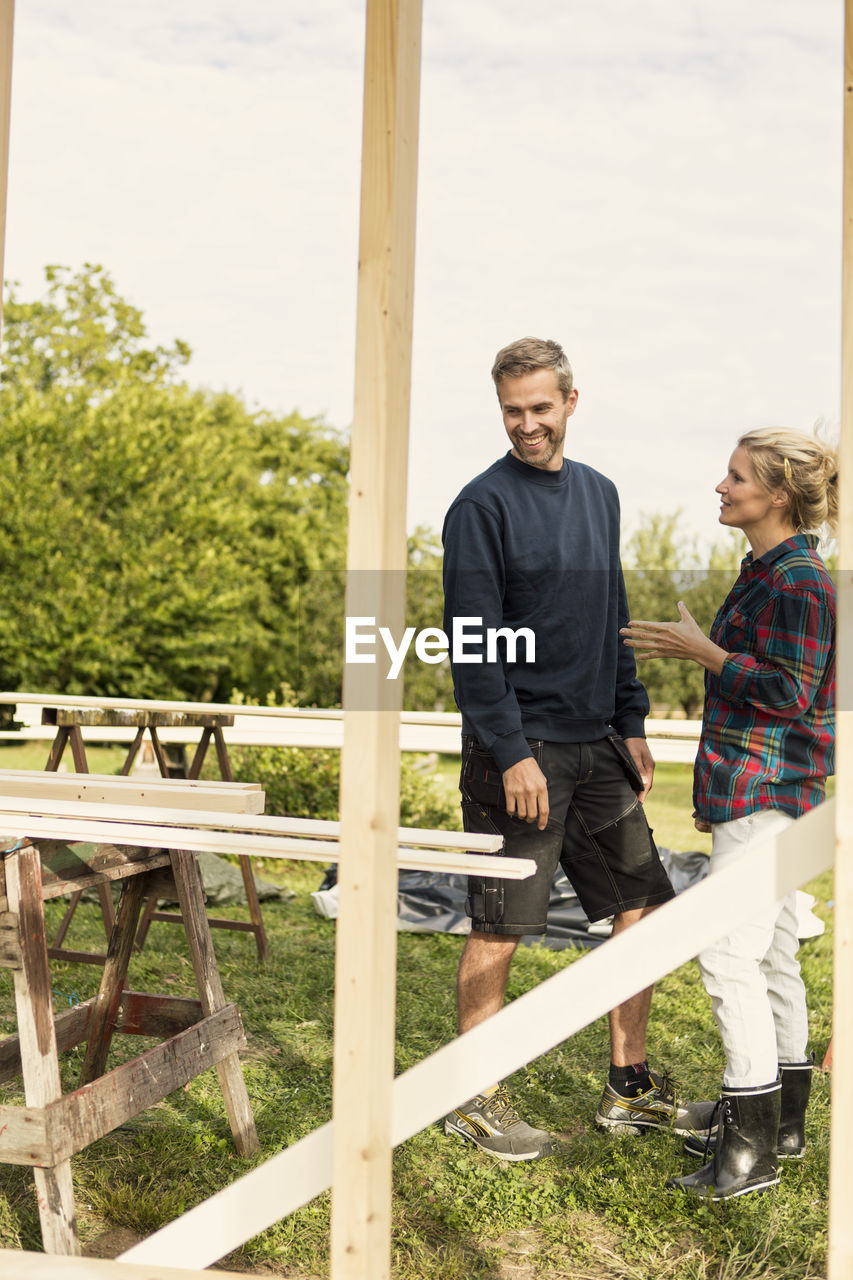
768 731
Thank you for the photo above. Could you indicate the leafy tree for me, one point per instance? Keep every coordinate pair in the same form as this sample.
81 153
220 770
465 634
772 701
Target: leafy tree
154 537
320 630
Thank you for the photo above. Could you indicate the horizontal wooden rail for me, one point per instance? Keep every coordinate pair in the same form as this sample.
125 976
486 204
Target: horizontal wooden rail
46 804
229 797
522 1031
38 1266
201 785
146 835
305 727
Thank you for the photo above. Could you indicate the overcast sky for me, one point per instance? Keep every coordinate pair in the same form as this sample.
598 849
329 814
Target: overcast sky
657 186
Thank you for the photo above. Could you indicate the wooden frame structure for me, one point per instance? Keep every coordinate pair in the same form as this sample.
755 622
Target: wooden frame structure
359 1157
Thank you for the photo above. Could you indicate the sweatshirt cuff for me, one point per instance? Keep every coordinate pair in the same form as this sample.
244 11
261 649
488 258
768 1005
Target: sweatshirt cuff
509 749
632 726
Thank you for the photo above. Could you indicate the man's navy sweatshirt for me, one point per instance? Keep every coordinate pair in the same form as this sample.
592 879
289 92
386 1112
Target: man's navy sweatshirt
524 547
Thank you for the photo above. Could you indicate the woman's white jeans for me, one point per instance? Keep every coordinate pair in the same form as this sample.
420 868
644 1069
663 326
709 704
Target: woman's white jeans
753 975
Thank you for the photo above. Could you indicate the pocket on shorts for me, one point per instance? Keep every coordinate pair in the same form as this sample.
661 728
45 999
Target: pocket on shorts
485 900
627 761
480 779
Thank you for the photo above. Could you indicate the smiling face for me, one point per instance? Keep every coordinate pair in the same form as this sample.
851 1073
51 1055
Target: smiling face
535 416
745 504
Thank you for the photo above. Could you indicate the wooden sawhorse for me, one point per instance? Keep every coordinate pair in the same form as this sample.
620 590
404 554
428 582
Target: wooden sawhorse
69 723
201 1033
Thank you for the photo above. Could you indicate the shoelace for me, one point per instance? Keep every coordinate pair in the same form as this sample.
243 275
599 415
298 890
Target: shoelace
501 1107
667 1084
711 1123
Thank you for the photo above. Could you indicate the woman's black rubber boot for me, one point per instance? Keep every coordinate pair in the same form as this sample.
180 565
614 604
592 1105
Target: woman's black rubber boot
796 1087
796 1080
745 1158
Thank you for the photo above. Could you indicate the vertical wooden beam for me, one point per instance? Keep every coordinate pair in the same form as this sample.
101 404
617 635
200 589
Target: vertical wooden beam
37 1038
7 22
376 563
840 1262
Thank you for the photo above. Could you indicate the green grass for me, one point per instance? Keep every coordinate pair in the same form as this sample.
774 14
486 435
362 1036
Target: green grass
597 1209
33 755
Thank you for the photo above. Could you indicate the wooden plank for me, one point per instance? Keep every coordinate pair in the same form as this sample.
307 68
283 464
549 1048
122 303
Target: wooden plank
70 956
170 784
71 1028
16 697
39 1056
376 586
57 786
154 837
155 858
191 898
523 1030
141 1013
35 1266
23 1136
268 824
68 865
215 922
228 708
142 718
840 1255
329 734
96 1108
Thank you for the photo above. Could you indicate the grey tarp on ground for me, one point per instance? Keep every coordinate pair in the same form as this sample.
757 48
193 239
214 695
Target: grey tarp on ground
432 903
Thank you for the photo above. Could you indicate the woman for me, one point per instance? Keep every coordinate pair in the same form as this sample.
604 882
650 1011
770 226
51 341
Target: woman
765 752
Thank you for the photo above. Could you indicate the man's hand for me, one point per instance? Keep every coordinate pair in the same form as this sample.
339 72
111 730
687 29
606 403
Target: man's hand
644 761
526 791
701 825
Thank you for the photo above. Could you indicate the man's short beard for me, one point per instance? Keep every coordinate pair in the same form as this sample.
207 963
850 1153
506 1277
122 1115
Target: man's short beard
542 459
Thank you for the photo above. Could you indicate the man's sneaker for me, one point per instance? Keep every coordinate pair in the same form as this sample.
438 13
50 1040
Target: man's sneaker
656 1108
491 1122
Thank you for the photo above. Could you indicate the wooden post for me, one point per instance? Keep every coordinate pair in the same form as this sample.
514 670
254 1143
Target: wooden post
376 582
37 1037
7 17
840 1262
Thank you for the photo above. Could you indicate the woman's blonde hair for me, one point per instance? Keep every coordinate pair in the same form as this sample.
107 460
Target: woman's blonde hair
804 467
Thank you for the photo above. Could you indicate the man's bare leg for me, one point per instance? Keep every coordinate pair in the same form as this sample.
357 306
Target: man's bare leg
489 1120
628 1020
483 973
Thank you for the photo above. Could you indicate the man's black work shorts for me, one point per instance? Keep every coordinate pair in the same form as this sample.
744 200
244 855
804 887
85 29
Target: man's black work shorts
596 829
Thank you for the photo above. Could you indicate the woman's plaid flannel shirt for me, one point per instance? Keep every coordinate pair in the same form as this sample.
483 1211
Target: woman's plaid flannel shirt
768 728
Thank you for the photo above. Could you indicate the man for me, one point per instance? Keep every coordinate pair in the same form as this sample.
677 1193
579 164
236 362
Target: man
554 756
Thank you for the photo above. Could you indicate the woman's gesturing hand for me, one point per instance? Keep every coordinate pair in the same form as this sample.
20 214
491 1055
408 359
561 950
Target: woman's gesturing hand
683 639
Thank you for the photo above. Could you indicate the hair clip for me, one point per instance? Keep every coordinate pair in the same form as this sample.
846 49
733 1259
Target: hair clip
787 469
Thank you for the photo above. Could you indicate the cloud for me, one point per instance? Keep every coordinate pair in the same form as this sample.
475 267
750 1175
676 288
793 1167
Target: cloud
657 186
